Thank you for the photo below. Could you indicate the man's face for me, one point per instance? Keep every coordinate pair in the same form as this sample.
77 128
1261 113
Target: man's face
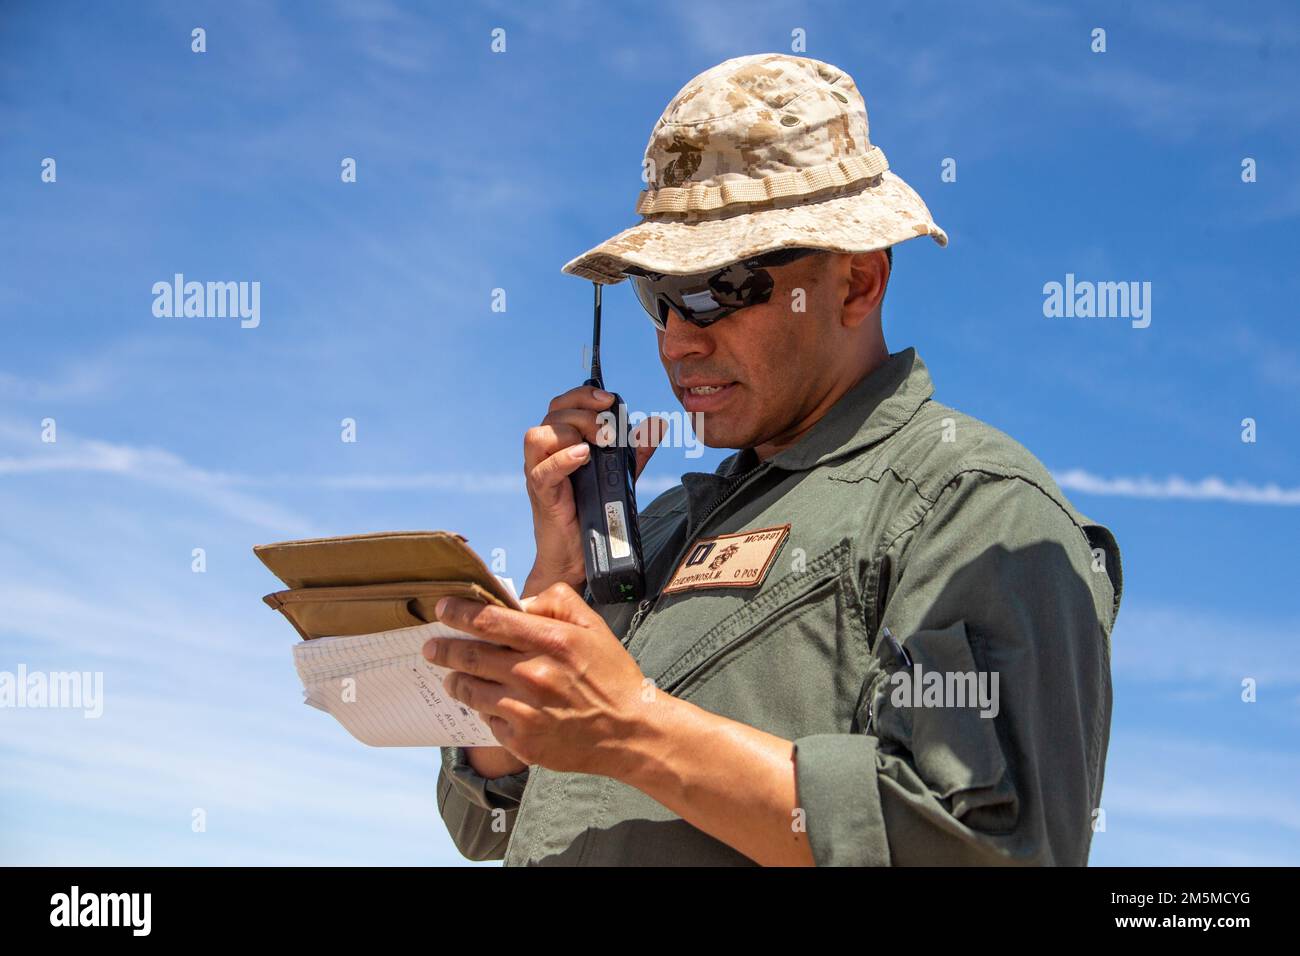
773 362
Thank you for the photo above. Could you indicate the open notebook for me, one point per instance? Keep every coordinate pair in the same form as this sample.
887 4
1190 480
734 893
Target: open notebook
364 605
383 691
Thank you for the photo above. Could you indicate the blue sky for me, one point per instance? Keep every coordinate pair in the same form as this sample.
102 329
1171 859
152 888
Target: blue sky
478 171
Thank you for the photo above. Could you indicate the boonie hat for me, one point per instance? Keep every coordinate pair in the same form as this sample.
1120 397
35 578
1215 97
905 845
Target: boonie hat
758 153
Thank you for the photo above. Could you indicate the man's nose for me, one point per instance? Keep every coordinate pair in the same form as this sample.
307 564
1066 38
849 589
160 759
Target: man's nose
680 338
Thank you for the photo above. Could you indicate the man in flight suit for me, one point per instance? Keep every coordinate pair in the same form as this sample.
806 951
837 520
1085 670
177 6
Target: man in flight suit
877 634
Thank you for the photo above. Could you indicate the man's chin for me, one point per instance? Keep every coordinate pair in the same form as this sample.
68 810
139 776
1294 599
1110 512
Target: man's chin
717 434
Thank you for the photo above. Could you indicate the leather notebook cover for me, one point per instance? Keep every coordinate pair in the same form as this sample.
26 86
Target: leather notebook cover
364 583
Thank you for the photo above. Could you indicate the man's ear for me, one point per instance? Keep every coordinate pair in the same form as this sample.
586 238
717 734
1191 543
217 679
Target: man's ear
867 277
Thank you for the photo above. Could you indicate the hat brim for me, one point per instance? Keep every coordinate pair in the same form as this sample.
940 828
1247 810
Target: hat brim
882 215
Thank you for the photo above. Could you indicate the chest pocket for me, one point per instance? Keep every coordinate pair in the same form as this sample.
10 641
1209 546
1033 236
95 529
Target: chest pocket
789 661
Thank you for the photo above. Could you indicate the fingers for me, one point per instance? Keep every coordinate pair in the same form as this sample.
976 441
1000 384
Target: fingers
547 479
502 625
583 425
571 418
484 696
558 431
584 396
472 657
543 441
530 631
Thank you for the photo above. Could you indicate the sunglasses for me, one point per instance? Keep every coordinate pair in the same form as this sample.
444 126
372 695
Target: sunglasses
706 297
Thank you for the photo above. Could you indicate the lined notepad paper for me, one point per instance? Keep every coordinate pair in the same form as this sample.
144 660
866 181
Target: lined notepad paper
383 691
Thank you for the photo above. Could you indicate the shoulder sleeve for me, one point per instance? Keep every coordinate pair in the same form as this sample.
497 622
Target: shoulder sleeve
984 721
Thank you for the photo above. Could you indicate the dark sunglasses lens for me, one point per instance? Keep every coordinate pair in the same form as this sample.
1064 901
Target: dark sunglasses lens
652 293
739 286
703 299
698 306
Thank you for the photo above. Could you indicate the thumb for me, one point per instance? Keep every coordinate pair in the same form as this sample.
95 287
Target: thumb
646 438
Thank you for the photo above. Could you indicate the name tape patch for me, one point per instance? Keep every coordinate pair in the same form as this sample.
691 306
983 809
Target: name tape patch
739 560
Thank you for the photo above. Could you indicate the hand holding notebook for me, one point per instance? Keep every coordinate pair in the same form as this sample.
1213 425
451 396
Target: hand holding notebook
364 606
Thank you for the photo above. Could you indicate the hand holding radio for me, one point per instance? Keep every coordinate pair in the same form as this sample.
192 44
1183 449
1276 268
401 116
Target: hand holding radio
574 418
604 495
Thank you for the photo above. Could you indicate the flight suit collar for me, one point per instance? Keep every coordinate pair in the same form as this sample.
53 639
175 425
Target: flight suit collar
872 410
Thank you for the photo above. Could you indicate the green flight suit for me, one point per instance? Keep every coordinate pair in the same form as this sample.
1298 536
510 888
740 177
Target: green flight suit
904 515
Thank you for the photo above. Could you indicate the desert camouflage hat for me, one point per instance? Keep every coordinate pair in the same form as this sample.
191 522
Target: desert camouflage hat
759 153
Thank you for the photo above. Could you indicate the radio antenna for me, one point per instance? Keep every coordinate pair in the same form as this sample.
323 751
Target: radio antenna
596 378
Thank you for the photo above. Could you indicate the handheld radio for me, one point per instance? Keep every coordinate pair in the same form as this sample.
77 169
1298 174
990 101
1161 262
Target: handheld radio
605 496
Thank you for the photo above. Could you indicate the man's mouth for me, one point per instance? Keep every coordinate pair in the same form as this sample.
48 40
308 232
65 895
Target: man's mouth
707 396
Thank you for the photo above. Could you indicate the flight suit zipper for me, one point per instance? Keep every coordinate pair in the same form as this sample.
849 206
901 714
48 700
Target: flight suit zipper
636 619
647 604
728 490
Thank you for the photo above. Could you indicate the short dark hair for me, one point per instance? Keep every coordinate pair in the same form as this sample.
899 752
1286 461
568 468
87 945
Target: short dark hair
800 251
808 250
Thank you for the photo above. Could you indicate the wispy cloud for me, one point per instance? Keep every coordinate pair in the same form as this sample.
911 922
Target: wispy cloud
152 466
143 772
161 467
1187 798
1175 487
1157 783
164 468
84 380
1195 648
1206 24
